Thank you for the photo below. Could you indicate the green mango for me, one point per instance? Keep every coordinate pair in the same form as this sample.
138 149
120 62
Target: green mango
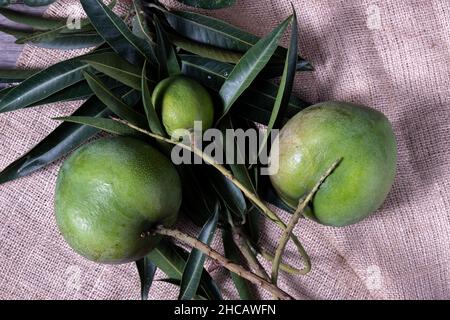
317 136
180 101
109 193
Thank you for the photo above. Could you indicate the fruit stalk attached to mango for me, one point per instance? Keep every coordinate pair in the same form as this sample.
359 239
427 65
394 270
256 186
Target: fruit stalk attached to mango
317 136
114 198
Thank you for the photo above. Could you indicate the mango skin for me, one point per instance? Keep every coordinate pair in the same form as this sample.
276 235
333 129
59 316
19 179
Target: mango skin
110 191
320 134
180 101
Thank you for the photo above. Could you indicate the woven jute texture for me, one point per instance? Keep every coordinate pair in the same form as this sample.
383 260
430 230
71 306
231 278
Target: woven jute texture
391 55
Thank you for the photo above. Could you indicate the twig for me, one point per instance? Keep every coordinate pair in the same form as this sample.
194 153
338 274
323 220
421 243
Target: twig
237 269
283 266
294 220
248 193
243 246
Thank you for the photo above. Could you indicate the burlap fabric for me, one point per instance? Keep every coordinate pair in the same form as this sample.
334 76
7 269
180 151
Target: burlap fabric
391 55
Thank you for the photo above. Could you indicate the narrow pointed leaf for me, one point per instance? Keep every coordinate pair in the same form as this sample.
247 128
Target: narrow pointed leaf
66 41
208 4
229 193
78 91
275 69
61 141
177 283
57 38
286 85
107 125
112 101
38 3
255 104
205 29
249 66
115 31
152 117
4 91
143 29
117 68
205 50
208 30
46 35
146 269
242 174
165 52
172 259
232 253
239 170
15 75
194 265
199 198
16 33
44 83
34 21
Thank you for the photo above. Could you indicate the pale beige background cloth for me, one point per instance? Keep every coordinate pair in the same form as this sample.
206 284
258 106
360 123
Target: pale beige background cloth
391 55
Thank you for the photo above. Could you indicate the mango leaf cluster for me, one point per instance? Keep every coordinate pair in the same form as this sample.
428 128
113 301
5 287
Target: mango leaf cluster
129 56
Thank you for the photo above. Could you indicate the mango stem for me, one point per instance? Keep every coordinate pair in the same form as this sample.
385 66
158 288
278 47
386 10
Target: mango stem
294 220
233 267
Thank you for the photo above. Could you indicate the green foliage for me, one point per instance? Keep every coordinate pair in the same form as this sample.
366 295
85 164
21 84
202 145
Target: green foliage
117 78
209 4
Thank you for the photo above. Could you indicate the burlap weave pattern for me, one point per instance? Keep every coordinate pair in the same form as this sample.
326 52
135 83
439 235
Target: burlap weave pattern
391 55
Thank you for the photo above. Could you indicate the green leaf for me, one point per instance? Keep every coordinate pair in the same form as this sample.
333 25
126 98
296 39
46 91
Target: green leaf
142 28
115 31
62 140
16 33
249 66
64 41
259 100
208 30
4 91
255 104
238 168
199 199
275 69
146 269
113 65
165 52
38 3
77 91
208 4
60 34
205 50
171 260
218 33
229 193
44 83
177 283
232 254
50 34
194 265
242 174
15 75
34 21
150 112
286 84
107 125
112 101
